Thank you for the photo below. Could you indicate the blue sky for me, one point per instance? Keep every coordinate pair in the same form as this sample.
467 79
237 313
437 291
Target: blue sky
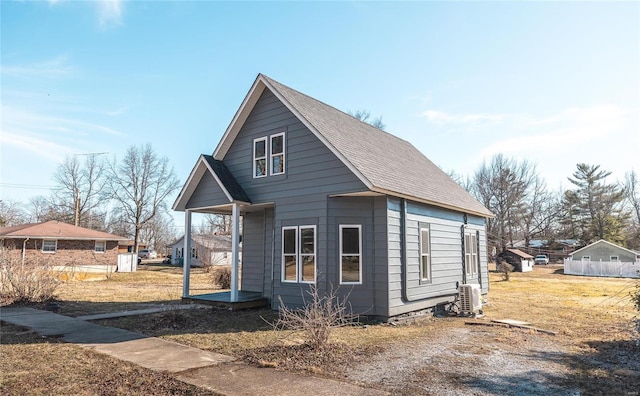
556 83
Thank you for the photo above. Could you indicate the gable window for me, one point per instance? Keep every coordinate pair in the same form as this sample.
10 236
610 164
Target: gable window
350 254
260 157
586 258
299 254
277 154
471 253
49 245
614 258
425 253
101 247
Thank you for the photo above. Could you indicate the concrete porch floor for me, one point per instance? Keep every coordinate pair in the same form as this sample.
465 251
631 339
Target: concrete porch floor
246 300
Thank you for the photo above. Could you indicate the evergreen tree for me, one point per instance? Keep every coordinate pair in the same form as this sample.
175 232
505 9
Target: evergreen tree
594 207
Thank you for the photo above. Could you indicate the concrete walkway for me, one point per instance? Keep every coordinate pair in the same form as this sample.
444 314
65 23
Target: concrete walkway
210 370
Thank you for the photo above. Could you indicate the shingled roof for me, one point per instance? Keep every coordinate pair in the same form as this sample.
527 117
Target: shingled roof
384 163
55 230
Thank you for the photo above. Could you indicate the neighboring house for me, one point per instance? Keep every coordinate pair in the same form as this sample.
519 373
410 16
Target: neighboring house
61 244
554 249
329 200
126 246
603 258
205 249
604 251
521 261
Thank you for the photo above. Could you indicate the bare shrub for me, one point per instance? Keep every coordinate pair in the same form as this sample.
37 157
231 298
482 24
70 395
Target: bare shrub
635 299
506 270
317 318
31 281
222 277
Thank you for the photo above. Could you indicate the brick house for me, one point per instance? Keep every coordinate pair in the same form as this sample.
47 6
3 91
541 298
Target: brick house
61 244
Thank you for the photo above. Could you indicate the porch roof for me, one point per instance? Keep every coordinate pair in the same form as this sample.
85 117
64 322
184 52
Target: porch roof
222 176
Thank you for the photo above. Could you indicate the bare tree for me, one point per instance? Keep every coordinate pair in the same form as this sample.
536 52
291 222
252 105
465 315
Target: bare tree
365 116
632 196
140 184
540 212
159 232
79 189
502 186
11 213
216 224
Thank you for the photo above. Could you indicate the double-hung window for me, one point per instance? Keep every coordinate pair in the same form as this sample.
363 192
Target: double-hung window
471 253
350 254
299 254
260 157
277 154
425 253
101 247
49 245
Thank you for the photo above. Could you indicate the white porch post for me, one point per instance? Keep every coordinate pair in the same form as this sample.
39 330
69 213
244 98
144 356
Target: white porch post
186 254
235 240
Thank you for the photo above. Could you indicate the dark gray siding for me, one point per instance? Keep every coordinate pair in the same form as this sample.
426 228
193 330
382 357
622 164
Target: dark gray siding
253 252
207 193
369 298
446 256
312 173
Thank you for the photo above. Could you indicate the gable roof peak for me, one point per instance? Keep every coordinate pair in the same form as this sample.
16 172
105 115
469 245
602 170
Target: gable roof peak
383 162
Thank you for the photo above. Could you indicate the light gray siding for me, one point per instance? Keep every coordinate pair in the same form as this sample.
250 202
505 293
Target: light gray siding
312 174
407 291
601 251
207 193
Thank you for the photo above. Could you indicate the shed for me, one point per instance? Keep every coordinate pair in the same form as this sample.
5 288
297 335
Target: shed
521 261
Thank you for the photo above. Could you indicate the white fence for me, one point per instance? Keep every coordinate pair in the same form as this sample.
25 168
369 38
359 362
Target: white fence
615 269
127 262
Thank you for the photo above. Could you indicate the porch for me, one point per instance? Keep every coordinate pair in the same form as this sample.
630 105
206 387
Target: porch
243 300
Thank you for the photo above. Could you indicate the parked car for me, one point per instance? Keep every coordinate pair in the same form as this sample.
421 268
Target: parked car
541 259
146 254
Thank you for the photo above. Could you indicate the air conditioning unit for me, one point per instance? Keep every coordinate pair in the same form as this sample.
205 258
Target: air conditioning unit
470 297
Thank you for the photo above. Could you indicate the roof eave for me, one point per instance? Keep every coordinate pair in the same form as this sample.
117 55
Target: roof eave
433 203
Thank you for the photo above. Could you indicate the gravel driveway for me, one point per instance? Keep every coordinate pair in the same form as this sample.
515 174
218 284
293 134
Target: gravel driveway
470 360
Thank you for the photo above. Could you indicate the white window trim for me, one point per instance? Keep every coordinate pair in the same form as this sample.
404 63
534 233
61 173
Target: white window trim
298 253
585 258
50 251
471 270
271 154
614 258
266 156
428 255
103 243
359 227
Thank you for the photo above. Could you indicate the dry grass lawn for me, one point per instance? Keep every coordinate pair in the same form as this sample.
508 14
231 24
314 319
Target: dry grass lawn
592 316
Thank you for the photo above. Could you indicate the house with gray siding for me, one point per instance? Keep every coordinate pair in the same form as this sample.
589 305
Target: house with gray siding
330 201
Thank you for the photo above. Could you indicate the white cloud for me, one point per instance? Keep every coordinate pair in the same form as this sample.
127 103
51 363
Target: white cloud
572 127
109 13
53 68
442 118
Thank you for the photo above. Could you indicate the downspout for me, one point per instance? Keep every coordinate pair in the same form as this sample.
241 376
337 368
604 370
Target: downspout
479 259
403 250
24 250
